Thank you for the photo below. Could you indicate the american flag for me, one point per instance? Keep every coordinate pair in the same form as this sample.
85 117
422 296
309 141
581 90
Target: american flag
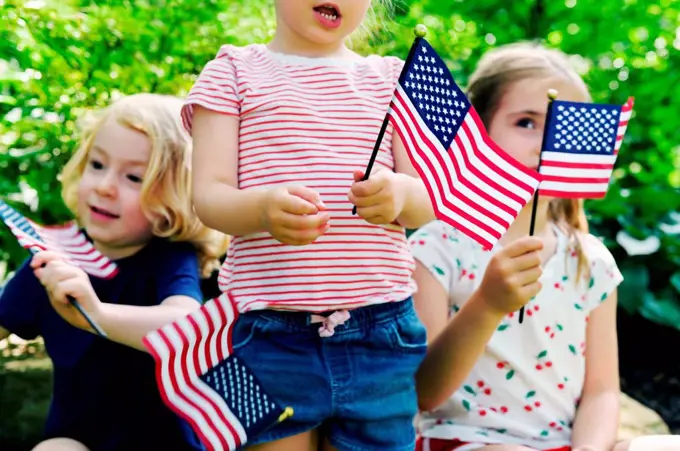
472 183
67 240
582 141
205 384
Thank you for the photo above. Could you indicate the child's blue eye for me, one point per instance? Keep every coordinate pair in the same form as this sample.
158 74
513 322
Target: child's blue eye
134 178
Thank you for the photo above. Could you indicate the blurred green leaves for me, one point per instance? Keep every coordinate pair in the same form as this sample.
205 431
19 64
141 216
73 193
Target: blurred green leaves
61 58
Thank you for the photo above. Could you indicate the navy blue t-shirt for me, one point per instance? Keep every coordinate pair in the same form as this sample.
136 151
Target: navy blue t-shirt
105 394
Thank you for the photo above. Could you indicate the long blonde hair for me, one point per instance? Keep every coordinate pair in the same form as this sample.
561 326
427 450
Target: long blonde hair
495 74
166 189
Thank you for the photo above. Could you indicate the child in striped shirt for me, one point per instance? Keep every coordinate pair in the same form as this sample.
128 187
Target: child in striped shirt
282 133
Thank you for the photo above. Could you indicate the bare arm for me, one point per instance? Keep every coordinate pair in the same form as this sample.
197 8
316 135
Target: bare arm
509 281
291 214
431 302
217 200
418 207
128 324
454 346
597 417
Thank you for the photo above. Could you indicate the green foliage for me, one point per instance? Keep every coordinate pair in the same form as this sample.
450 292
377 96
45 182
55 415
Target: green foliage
61 58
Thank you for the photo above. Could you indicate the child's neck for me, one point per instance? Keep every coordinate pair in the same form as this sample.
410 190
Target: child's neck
522 224
287 42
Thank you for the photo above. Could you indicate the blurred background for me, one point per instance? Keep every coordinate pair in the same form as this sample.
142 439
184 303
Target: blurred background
61 58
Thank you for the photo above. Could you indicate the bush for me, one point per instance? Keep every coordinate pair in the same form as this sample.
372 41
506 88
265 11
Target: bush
60 59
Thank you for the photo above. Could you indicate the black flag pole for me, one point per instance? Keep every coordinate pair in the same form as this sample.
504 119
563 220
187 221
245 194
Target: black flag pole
552 95
420 31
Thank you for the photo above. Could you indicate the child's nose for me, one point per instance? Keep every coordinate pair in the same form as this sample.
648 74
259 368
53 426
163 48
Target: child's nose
107 185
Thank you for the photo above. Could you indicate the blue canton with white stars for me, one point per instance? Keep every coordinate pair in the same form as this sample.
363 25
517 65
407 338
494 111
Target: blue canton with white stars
11 216
438 100
582 128
244 396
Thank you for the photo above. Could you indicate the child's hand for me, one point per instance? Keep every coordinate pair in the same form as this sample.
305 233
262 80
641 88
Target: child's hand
61 280
294 215
511 278
380 199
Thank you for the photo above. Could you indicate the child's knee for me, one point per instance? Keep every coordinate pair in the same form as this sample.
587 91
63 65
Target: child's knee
60 444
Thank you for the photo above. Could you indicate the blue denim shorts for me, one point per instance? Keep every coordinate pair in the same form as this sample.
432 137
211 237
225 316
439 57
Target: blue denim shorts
357 386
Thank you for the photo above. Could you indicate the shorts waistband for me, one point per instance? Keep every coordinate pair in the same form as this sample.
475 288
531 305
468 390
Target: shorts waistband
369 314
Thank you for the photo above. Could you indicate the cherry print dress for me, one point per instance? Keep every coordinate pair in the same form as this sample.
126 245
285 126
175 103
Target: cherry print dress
526 386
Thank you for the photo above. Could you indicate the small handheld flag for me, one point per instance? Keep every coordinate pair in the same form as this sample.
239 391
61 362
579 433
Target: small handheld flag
203 382
472 183
581 143
68 241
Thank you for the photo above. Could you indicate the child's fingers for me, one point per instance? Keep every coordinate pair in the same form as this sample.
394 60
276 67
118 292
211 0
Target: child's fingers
43 258
529 291
64 289
304 194
39 274
59 295
528 276
376 214
302 223
367 188
525 261
302 237
52 272
296 206
368 201
523 246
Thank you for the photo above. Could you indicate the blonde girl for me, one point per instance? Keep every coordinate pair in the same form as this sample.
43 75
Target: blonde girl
128 185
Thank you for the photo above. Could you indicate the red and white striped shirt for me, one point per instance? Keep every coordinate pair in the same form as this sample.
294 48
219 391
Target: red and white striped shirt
309 121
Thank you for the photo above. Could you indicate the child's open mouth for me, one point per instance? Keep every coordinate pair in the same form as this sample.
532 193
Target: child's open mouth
328 15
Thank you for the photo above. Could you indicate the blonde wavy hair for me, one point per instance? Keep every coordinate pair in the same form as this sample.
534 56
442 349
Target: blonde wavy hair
497 71
166 189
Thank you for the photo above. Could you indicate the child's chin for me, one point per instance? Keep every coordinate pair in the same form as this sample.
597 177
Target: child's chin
101 234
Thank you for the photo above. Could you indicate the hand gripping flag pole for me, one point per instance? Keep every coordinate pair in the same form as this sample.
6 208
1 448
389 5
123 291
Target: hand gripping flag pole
66 240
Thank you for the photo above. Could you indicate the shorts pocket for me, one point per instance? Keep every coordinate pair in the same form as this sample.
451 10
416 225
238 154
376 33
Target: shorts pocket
408 333
244 330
